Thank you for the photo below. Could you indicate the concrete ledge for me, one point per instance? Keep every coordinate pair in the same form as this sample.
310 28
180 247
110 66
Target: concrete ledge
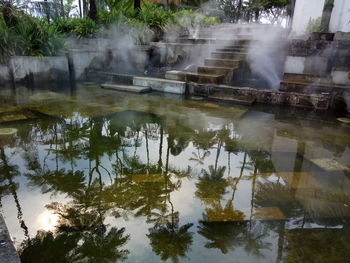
8 252
272 97
162 85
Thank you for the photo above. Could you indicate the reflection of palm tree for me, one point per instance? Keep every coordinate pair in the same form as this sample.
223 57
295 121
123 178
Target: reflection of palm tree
170 241
227 213
47 247
80 236
198 157
223 236
101 246
9 172
211 185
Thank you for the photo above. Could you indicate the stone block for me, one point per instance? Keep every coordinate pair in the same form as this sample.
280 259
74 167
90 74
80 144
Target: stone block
162 85
330 164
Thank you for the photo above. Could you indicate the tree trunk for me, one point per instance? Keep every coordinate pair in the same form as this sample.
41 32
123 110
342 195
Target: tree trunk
93 10
137 5
292 8
257 16
239 10
80 12
326 15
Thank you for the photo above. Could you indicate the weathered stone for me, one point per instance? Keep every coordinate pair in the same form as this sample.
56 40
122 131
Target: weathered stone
163 85
329 164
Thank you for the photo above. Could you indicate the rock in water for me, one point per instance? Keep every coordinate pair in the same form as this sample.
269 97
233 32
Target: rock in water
345 120
7 131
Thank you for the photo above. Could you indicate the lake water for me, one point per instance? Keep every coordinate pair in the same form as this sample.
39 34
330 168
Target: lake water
92 175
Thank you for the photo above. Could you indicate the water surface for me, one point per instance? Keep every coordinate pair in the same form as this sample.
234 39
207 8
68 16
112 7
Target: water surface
100 176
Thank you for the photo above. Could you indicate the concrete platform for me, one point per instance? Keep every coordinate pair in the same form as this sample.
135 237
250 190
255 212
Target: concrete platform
127 88
162 85
8 253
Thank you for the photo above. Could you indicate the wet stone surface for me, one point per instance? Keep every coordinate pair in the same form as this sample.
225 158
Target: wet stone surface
8 252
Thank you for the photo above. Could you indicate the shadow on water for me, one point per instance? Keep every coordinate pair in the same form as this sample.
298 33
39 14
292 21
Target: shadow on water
118 176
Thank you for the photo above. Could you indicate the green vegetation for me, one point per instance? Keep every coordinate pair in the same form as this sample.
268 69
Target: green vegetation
26 35
314 25
40 29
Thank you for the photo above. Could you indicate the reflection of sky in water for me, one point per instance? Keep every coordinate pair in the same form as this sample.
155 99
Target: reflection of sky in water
268 149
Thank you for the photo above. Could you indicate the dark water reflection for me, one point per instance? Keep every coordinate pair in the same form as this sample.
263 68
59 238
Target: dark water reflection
101 176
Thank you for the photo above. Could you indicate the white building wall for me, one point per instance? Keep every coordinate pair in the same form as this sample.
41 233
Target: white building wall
304 11
340 16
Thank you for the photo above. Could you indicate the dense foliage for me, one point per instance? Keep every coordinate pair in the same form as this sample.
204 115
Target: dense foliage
21 34
39 29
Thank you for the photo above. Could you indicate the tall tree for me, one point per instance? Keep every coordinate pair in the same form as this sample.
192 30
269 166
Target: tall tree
93 10
326 15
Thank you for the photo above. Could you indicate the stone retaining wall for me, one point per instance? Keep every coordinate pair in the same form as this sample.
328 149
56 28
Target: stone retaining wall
33 69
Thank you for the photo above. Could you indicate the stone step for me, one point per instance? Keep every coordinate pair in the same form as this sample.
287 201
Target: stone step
292 77
214 70
228 55
232 49
127 88
226 63
195 77
227 72
236 99
162 85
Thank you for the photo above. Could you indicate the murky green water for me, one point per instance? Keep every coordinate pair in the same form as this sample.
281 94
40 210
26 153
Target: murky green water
100 176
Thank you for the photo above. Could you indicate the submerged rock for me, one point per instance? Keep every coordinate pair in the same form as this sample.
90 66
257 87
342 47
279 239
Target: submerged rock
7 131
344 120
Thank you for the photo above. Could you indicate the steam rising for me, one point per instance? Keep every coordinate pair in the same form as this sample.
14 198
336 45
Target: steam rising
122 48
266 55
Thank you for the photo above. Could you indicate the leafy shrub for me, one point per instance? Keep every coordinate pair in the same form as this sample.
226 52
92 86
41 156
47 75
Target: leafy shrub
154 16
29 36
188 18
80 27
314 25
